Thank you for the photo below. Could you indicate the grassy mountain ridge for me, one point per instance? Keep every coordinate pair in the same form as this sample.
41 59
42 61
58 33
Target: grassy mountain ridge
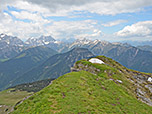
142 87
94 88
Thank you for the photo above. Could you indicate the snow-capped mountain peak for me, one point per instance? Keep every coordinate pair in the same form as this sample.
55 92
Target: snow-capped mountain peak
42 40
2 35
10 40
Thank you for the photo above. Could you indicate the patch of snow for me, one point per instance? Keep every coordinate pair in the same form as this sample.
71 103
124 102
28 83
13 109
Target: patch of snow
2 35
27 43
95 60
96 41
86 42
149 79
32 38
46 43
56 42
136 53
119 81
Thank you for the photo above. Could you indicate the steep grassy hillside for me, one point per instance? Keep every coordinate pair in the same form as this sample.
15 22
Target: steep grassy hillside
93 89
25 61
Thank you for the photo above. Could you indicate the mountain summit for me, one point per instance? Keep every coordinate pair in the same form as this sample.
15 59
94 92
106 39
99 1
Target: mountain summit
10 46
43 40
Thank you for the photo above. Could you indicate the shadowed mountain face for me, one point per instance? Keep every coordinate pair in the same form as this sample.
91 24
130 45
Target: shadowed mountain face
23 62
55 66
145 47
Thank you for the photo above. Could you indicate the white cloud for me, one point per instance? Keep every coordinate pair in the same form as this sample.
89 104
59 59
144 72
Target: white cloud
114 23
76 29
26 15
40 26
35 10
103 7
63 7
34 17
140 29
20 28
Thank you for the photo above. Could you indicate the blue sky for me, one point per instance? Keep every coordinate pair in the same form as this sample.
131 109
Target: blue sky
113 20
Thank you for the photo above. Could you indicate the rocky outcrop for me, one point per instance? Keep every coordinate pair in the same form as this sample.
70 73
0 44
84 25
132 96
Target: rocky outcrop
80 67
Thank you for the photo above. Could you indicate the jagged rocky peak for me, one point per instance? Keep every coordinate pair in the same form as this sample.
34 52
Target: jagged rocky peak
105 42
2 35
85 41
96 41
47 38
82 41
42 40
10 40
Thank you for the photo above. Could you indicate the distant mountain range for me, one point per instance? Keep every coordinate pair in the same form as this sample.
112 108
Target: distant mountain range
44 57
129 56
138 43
11 46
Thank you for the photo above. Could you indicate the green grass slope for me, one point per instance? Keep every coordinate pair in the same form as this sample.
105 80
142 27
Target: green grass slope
9 98
94 91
